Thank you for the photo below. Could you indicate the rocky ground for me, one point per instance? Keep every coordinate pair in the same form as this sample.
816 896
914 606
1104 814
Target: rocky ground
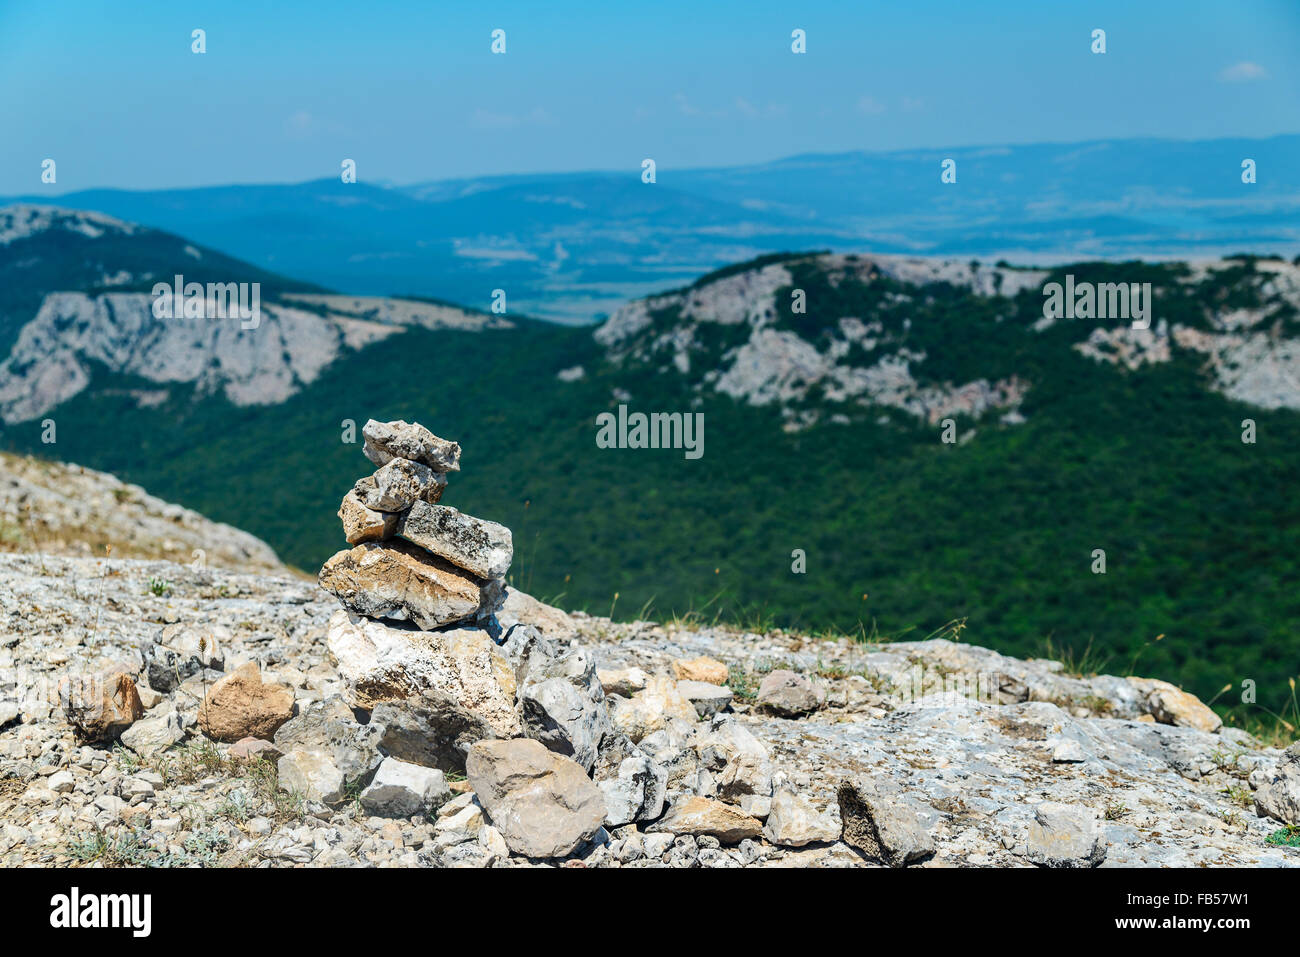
61 509
723 748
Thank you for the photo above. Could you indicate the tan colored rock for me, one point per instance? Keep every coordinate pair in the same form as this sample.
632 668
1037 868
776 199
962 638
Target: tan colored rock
399 581
101 706
242 705
362 524
700 815
705 669
380 662
648 711
543 803
1170 704
622 681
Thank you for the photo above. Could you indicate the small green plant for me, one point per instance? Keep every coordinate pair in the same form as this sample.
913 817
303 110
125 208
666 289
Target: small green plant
1115 809
1288 836
1232 817
1082 664
1238 795
159 587
741 683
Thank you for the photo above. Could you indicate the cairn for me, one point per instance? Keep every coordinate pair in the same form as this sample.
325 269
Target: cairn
413 559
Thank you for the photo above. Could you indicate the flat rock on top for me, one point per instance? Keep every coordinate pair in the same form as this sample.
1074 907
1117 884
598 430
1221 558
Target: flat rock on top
385 441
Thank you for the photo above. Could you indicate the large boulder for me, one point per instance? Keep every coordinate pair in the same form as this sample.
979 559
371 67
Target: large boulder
383 663
480 547
242 705
400 581
886 827
385 441
100 706
543 803
563 705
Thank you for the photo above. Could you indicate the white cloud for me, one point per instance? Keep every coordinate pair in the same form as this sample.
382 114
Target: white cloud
870 106
1242 72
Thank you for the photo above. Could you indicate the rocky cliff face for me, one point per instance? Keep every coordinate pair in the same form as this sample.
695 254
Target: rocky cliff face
59 509
741 334
67 264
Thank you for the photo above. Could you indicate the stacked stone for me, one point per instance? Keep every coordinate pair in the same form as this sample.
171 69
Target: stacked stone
413 559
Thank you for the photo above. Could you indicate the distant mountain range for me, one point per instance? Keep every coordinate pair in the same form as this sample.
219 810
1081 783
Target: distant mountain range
575 246
823 432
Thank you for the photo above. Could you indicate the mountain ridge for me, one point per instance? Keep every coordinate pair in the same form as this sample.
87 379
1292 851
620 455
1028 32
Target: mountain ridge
1109 199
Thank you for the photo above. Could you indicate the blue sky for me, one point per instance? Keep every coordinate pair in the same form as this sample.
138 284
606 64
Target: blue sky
412 92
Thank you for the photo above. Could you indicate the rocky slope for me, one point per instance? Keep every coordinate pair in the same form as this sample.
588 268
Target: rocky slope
814 752
59 509
740 333
81 303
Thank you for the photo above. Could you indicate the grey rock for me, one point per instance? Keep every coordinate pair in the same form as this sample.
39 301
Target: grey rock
480 547
708 699
885 827
400 789
167 668
433 730
1063 835
788 694
385 441
794 822
739 760
543 804
330 730
311 774
563 705
150 735
398 485
1280 797
635 792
